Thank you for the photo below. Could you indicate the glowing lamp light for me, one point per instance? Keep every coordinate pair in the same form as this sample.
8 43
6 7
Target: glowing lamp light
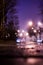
39 23
34 31
30 23
23 31
18 31
32 28
20 34
26 34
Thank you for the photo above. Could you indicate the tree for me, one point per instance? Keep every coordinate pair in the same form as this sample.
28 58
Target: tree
32 31
12 31
41 13
9 18
9 7
1 10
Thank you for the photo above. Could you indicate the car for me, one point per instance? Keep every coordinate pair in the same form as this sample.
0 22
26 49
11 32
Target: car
39 41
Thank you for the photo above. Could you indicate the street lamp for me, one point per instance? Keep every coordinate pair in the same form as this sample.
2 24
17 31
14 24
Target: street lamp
30 23
18 31
39 24
27 34
34 31
32 28
23 31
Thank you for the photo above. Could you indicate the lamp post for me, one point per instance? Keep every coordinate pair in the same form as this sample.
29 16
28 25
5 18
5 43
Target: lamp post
35 32
30 25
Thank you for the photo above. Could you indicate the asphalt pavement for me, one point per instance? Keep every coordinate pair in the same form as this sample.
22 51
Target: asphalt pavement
11 55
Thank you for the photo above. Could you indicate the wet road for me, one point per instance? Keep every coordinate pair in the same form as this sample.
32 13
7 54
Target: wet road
28 61
11 51
21 61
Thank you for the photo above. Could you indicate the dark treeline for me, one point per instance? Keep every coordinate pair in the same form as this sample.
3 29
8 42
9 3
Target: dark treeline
9 23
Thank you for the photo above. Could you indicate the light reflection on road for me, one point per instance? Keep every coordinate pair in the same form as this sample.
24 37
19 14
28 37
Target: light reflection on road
28 61
32 61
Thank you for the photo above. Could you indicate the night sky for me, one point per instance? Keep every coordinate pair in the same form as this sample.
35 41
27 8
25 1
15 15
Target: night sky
28 10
